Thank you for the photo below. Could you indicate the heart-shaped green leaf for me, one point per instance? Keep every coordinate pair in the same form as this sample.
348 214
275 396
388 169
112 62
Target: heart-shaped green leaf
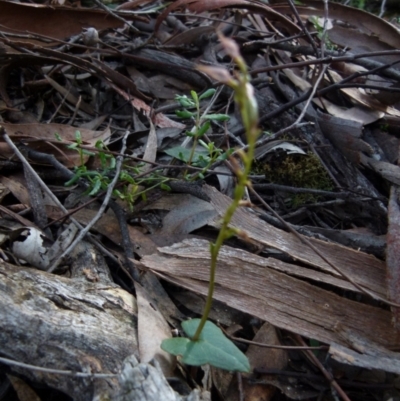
212 347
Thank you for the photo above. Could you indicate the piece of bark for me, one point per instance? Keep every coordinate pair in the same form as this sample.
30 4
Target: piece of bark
146 382
60 323
250 284
171 64
365 269
381 361
89 265
393 253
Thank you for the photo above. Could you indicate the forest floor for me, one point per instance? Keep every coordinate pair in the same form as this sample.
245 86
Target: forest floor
120 151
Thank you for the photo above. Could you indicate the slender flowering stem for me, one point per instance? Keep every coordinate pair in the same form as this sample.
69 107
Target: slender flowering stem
245 99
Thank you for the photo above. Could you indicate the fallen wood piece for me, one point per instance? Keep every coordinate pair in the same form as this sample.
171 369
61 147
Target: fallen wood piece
250 284
393 253
387 363
365 269
146 382
60 323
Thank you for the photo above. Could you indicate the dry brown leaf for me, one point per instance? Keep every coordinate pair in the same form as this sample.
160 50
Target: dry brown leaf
187 213
109 227
345 135
359 114
17 188
120 80
152 330
150 151
23 390
200 6
370 101
65 21
261 358
160 120
87 108
38 134
367 23
167 87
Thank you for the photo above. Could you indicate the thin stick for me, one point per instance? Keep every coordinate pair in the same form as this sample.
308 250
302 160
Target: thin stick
56 371
327 374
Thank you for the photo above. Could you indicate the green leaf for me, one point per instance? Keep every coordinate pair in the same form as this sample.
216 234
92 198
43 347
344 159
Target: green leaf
208 146
195 97
103 160
88 153
75 178
183 154
179 153
207 93
184 113
113 163
78 137
99 144
203 129
212 348
217 117
96 187
224 156
185 101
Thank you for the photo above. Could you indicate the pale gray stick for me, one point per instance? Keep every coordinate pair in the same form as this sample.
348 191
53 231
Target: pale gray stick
56 371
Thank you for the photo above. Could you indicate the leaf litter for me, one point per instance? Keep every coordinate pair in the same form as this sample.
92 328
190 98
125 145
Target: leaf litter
314 269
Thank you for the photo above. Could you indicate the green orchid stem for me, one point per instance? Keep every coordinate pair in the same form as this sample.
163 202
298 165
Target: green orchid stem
224 233
249 112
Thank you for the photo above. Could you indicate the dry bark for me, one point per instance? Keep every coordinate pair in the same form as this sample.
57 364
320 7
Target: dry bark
69 324
252 284
145 382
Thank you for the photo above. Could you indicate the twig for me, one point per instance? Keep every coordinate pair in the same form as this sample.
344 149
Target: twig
303 27
382 11
297 190
328 375
10 362
111 12
263 345
310 97
334 56
324 35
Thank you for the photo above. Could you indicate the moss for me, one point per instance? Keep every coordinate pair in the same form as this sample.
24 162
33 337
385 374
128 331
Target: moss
301 171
